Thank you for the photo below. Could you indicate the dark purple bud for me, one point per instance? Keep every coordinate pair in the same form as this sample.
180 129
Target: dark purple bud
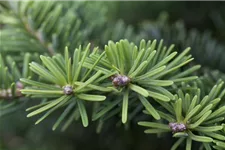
177 127
68 89
120 80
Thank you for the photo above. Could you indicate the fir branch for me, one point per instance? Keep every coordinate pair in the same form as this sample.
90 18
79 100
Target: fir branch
67 81
140 70
59 24
11 99
190 118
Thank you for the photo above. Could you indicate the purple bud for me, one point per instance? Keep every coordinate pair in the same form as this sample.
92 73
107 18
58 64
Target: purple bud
177 127
19 86
120 80
68 89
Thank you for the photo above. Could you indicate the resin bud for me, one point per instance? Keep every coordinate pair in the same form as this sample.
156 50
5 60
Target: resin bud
120 80
68 90
177 127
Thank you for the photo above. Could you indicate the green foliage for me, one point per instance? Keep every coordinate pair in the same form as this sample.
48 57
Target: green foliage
65 79
115 82
202 118
202 44
149 67
47 27
11 98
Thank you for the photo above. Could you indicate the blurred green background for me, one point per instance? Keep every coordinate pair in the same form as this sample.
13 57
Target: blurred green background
19 133
202 15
